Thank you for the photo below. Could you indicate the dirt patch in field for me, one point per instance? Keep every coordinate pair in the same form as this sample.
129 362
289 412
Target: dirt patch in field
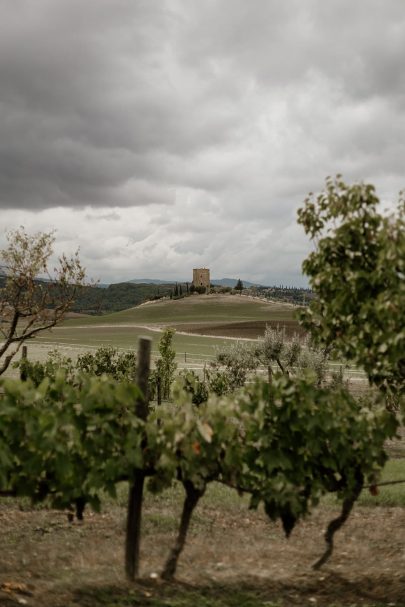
235 557
247 329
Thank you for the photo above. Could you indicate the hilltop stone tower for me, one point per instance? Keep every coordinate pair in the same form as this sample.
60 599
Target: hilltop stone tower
201 277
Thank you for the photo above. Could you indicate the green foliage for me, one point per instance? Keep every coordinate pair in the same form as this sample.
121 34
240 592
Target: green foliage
275 349
118 365
193 385
105 360
218 381
37 371
116 297
296 357
286 444
232 367
357 273
298 296
165 365
301 441
67 443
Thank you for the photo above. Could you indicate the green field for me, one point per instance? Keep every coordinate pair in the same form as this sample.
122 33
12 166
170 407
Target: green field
203 308
226 313
123 329
126 337
216 319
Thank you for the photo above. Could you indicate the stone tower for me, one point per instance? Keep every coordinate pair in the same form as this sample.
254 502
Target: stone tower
201 277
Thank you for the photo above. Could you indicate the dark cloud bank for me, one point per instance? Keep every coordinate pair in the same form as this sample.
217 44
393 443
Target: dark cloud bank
223 112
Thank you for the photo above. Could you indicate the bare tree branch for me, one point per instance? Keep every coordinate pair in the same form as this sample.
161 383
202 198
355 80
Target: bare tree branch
32 299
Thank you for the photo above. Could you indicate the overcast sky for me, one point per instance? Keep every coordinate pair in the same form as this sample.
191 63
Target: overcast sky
162 135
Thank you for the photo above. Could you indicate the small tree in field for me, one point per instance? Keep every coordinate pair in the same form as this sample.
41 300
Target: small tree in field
239 286
274 349
31 298
232 368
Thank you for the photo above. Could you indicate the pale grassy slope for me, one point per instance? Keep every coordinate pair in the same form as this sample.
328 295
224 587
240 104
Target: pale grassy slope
200 308
122 329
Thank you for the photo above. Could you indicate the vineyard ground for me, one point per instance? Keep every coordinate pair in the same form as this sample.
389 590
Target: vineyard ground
234 557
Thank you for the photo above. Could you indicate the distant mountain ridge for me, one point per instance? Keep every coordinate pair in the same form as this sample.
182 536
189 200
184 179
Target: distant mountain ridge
224 282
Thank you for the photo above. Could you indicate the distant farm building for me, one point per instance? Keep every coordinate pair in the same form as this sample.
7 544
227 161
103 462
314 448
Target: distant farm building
201 277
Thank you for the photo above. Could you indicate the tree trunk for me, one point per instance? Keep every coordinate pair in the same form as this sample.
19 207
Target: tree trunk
190 502
338 522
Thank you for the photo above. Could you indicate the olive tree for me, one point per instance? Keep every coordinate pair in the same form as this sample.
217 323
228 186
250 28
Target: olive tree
33 297
232 367
357 272
294 357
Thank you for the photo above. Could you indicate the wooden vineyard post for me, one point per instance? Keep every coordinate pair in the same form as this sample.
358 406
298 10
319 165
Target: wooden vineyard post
23 371
134 512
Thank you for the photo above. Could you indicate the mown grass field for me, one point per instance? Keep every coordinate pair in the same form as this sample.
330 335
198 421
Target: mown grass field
123 329
203 308
125 337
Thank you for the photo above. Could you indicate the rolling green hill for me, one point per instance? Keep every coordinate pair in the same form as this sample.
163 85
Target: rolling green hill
202 323
203 308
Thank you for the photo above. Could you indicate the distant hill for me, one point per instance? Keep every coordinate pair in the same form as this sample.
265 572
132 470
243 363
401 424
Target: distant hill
118 296
103 299
107 298
123 295
224 282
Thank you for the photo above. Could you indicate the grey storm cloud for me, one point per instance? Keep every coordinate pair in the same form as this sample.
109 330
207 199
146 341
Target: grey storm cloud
121 103
158 135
